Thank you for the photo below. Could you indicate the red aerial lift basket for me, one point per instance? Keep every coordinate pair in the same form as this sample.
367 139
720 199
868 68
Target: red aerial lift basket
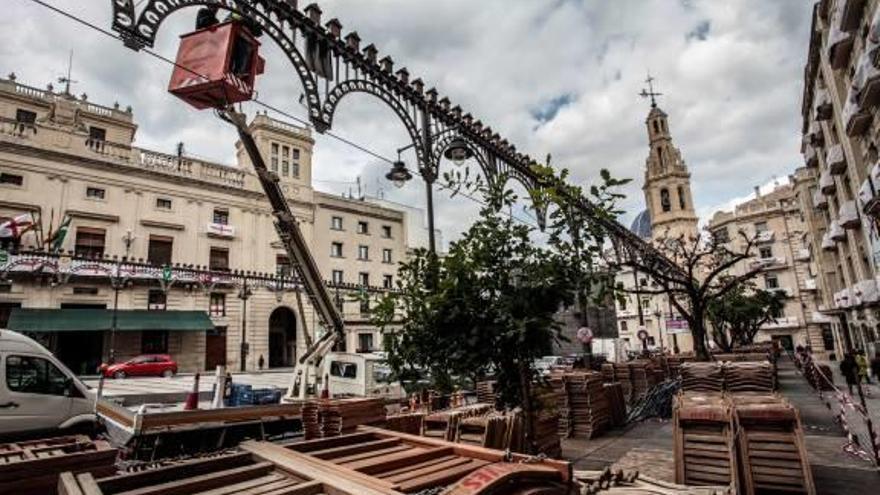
216 66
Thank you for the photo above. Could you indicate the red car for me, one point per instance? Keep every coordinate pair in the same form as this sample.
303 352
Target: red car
144 365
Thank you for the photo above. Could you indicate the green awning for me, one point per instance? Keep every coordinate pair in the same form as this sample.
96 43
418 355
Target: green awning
73 320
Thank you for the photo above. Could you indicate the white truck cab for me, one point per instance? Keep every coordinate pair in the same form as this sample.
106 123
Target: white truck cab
37 392
360 375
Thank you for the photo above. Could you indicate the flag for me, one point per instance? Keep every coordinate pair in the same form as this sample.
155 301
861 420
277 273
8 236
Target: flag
15 227
56 239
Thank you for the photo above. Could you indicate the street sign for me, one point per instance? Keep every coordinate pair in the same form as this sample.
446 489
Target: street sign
585 335
166 273
677 326
642 335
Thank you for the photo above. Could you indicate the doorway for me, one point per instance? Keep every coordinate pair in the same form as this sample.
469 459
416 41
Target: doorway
785 342
215 348
282 338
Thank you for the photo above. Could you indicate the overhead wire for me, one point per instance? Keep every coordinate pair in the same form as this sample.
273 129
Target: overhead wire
263 104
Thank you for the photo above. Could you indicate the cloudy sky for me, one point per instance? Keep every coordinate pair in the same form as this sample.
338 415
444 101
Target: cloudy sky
553 76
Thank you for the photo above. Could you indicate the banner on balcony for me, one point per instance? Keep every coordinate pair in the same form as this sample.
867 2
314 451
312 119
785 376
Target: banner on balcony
677 325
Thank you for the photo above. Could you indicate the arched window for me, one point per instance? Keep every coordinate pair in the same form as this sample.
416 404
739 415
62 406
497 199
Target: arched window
664 200
663 125
656 126
660 156
681 200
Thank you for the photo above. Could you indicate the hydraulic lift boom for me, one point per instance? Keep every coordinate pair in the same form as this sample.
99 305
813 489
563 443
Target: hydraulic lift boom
300 259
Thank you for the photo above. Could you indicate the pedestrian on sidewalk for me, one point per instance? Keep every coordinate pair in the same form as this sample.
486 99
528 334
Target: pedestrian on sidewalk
862 361
849 370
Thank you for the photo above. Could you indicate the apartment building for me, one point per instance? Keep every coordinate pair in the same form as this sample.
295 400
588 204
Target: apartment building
841 175
183 248
777 223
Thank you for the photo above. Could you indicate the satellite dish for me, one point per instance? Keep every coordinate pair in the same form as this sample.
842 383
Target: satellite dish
585 335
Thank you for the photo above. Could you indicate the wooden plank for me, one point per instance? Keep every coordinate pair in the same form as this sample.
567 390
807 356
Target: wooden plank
324 443
87 484
394 472
204 481
341 480
393 462
357 448
373 454
443 477
67 484
130 481
225 415
115 413
424 471
247 487
308 488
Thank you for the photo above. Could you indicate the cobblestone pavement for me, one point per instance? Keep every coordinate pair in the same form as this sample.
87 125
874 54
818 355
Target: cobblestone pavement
647 446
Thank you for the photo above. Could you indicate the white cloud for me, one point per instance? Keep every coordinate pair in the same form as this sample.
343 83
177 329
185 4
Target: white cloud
732 92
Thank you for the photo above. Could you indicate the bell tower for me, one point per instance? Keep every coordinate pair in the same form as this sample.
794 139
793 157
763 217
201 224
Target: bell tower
667 184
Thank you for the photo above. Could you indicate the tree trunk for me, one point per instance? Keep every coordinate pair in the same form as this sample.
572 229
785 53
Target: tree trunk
698 332
528 413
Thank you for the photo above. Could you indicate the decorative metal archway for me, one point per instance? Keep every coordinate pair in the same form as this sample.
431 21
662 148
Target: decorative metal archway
330 66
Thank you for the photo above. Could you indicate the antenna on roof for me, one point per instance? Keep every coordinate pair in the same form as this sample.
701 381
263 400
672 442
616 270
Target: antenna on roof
67 81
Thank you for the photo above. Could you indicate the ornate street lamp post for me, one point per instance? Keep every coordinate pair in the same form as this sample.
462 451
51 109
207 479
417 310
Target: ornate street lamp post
117 281
244 293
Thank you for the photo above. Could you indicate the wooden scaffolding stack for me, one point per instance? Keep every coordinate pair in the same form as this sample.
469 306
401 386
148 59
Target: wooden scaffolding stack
33 467
704 440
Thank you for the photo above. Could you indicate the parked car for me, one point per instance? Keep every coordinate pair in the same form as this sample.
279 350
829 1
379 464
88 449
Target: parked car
144 365
545 364
38 394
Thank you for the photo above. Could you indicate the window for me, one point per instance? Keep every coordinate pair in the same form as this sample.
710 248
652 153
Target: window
221 216
12 179
34 375
296 154
163 204
339 303
337 276
365 306
218 304
363 253
646 303
23 116
664 200
89 242
386 231
97 134
274 158
95 193
643 282
681 200
722 235
388 281
336 223
771 282
294 167
154 342
336 250
623 326
219 259
365 342
761 227
343 369
282 266
85 291
159 250
766 252
386 256
157 300
285 160
364 278
623 302
827 338
363 228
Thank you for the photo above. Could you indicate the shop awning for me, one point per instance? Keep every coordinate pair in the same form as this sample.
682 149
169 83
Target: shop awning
74 320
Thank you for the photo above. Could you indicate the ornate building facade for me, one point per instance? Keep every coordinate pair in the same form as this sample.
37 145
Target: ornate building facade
184 249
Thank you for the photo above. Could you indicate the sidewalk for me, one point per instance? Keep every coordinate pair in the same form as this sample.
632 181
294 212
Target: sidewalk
872 395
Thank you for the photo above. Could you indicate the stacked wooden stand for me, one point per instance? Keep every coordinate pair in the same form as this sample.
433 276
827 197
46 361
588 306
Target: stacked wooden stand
702 377
704 440
582 404
616 403
33 467
642 376
333 417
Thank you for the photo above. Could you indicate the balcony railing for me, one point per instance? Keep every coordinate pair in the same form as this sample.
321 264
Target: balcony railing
783 322
848 215
767 263
810 284
843 299
865 292
835 159
802 254
815 135
823 106
840 41
836 232
828 243
780 291
826 183
811 159
764 236
820 200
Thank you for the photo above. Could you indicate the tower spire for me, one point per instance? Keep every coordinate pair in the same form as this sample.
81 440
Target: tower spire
650 93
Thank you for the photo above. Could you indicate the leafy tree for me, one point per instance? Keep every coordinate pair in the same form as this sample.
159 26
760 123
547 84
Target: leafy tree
738 316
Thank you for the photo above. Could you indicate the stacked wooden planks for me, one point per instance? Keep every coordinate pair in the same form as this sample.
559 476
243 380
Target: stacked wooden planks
616 403
561 393
608 372
622 375
702 377
444 424
704 439
311 420
33 467
332 417
546 427
642 377
489 431
486 391
406 422
749 377
771 445
590 407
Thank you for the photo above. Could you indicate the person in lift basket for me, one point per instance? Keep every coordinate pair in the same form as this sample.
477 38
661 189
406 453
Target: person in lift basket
242 49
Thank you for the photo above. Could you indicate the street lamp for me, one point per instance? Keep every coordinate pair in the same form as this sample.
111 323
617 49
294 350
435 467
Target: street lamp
458 151
117 282
398 175
244 293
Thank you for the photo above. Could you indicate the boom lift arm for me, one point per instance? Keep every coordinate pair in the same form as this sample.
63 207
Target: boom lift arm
300 259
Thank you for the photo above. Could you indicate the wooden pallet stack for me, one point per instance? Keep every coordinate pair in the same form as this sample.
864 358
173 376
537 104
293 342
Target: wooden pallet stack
642 377
702 377
772 452
704 439
622 375
311 420
616 403
608 372
410 423
749 377
333 417
489 431
560 386
547 434
33 467
444 424
590 408
486 391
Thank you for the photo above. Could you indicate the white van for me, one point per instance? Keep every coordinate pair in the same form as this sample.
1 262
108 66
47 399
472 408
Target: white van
360 375
37 392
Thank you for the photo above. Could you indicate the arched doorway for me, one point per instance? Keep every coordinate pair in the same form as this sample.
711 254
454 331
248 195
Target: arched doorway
282 338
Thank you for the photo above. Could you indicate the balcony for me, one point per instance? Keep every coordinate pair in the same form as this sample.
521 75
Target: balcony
764 236
768 263
220 230
836 232
816 317
835 160
820 201
828 243
826 183
843 299
840 41
780 323
810 284
856 120
811 159
802 254
866 292
848 215
824 110
816 137
779 291
851 13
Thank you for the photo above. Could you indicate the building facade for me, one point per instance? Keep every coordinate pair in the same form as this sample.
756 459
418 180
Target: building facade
779 226
841 134
154 232
669 215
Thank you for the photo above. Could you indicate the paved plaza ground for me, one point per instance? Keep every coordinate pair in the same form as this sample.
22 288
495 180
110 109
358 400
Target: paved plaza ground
647 446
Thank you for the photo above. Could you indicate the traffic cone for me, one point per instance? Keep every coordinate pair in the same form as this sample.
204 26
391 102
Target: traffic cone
192 398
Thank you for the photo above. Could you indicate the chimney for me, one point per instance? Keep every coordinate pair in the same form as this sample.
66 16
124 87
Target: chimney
757 191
